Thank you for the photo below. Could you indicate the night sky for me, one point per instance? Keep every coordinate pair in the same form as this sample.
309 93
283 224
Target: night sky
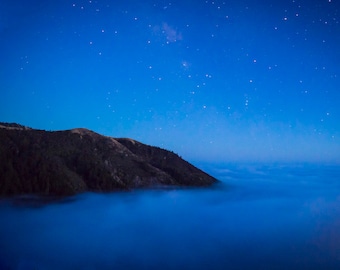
239 80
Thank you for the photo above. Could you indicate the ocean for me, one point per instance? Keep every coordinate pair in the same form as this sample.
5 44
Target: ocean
261 216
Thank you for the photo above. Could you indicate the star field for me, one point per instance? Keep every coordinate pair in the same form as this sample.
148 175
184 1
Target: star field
210 80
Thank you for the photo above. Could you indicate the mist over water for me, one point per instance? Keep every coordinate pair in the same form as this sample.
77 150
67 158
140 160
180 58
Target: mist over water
259 217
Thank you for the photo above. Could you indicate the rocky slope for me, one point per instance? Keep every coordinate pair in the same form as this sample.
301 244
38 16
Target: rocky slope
72 161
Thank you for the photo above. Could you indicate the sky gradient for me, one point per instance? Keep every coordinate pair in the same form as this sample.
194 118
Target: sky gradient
210 80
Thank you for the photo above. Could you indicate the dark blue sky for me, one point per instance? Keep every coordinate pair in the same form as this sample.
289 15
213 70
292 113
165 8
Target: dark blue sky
210 80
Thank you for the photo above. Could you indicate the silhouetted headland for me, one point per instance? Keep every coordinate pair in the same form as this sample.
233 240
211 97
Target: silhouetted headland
73 161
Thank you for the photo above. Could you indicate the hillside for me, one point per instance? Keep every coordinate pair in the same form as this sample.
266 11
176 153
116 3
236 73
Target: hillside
79 160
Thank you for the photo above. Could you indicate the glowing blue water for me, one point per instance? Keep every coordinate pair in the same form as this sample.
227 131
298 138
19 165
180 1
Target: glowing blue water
258 218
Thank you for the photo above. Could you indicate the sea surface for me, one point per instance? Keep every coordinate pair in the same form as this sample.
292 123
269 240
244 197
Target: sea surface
258 217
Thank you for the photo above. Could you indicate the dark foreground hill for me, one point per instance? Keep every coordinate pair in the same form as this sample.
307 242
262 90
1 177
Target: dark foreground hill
78 160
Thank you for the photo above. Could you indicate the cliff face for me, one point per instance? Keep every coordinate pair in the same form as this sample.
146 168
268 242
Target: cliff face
72 161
